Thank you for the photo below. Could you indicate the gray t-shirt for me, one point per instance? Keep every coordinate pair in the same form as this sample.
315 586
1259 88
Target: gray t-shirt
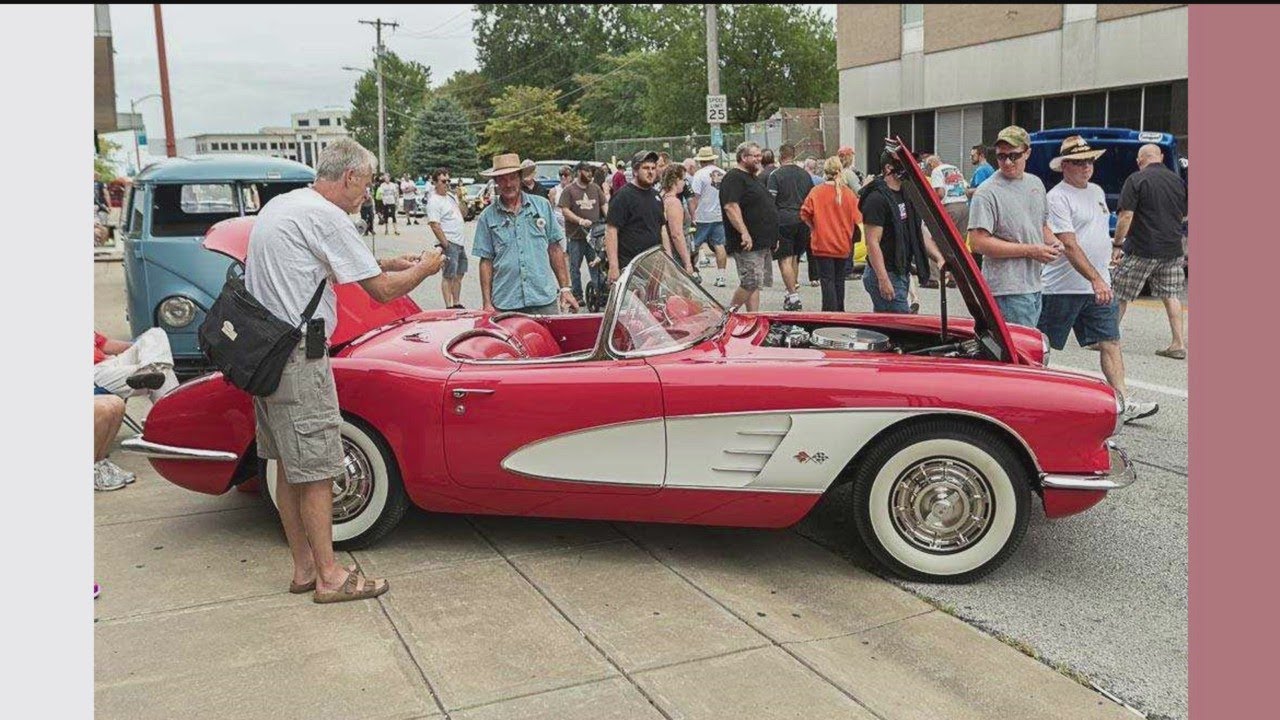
298 240
1013 210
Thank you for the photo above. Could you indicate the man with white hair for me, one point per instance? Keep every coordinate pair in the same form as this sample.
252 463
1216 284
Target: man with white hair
301 243
1153 205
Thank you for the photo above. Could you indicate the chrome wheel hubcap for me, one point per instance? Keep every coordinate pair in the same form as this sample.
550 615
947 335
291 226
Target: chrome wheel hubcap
352 492
941 505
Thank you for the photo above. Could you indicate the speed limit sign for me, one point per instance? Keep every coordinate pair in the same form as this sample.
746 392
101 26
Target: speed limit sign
717 108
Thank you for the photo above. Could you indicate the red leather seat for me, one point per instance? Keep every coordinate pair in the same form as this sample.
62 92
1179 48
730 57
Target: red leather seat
485 347
536 339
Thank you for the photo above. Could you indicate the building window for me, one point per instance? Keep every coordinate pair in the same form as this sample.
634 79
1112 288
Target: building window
1157 108
1124 109
275 146
293 146
912 15
1057 112
304 123
1091 110
235 146
923 138
324 122
339 121
1026 114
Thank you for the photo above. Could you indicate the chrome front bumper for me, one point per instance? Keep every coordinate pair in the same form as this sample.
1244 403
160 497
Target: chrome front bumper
139 446
1122 474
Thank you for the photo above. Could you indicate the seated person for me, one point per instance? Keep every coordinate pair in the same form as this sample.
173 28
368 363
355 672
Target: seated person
108 413
127 369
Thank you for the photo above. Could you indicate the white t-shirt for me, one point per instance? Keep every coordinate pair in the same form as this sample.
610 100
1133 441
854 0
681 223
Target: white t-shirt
444 209
389 193
1084 212
706 185
950 177
298 240
554 196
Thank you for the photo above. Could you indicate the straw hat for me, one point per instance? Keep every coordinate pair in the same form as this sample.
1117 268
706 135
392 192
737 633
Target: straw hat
502 165
705 154
1074 148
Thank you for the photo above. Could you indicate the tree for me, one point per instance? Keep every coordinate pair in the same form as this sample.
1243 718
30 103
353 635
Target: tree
771 56
546 45
613 100
471 91
442 137
104 169
405 88
526 121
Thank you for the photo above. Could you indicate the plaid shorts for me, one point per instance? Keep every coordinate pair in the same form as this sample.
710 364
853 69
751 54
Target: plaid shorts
1166 277
755 268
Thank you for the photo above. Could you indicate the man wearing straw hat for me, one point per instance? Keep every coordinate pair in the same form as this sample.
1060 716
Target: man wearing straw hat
1077 285
518 243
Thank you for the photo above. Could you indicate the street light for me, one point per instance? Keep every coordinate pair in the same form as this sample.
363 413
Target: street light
133 111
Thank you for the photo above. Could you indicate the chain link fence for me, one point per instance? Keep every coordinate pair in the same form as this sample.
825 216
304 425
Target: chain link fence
678 147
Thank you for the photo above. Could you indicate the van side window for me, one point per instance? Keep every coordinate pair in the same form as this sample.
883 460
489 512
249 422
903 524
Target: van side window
134 229
190 210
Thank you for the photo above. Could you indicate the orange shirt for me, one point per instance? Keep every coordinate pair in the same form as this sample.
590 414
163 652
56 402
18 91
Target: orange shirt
833 224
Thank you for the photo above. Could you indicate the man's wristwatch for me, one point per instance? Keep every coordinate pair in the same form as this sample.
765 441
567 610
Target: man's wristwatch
566 290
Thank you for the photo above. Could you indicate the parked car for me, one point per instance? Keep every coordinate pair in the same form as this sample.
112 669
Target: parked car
170 279
668 407
548 171
478 196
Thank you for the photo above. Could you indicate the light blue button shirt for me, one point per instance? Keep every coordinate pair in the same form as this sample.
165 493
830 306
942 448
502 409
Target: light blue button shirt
517 245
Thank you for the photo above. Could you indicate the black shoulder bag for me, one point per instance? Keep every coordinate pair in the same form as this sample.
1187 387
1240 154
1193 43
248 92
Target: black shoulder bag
246 341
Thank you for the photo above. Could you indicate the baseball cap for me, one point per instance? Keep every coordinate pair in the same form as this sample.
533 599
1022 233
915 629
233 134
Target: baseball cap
643 156
1015 136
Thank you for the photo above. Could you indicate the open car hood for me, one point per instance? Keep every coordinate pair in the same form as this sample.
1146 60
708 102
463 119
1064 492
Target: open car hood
989 324
358 313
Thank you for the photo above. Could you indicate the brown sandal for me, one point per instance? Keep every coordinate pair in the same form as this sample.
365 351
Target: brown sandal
356 587
306 587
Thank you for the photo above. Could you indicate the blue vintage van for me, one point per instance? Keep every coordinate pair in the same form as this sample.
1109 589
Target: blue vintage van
1112 169
170 279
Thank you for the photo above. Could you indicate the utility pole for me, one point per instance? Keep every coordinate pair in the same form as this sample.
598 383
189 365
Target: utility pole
382 111
713 69
170 142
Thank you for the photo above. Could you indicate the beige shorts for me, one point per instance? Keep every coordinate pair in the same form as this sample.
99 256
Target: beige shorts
299 424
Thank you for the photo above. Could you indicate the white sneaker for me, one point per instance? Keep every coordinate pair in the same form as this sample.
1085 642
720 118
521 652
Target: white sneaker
719 282
104 480
704 262
1134 410
129 477
792 302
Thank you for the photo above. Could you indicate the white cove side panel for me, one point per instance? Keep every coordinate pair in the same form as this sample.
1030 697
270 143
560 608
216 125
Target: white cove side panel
779 452
626 454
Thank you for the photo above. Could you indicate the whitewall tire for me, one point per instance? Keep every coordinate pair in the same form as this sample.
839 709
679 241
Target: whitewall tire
941 501
369 501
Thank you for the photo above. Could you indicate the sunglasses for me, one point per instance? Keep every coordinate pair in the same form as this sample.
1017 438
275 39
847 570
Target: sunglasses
1079 163
1011 157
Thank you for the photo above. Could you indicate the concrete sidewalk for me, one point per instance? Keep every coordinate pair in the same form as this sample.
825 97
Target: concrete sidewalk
524 618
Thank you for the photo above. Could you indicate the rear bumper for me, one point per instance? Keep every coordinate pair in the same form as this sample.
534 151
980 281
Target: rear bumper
1122 474
138 446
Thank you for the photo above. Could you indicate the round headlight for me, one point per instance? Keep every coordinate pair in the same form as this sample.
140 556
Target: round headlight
177 312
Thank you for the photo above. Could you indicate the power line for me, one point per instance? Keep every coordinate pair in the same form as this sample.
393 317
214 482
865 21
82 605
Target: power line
441 26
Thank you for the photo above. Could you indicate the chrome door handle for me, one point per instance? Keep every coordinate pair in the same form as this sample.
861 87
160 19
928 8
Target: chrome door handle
460 393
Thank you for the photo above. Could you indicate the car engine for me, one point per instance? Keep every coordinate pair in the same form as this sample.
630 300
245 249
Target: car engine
828 338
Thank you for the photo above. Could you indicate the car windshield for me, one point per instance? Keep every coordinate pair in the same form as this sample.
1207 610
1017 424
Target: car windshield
660 309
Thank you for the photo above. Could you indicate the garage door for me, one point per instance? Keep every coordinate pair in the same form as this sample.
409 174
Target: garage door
958 130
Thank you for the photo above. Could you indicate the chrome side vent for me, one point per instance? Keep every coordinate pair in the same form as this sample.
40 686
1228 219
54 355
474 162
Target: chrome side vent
756 445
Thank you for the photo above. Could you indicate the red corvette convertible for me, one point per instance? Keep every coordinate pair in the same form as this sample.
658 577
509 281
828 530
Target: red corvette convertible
668 407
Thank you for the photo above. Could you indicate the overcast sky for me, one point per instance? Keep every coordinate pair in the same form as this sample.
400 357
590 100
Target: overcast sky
237 68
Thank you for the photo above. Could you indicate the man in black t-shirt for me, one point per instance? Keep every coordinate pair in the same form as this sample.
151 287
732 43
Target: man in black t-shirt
1153 205
790 185
750 226
896 241
634 221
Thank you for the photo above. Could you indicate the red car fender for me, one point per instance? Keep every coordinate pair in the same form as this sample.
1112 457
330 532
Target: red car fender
404 405
207 413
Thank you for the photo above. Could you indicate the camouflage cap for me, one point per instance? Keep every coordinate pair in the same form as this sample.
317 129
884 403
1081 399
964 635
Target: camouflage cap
1015 136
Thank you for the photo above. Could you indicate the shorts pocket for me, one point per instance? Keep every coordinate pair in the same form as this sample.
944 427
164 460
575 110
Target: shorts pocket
320 453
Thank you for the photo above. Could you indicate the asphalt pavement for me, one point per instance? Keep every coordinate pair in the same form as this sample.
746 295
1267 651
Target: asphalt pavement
1101 595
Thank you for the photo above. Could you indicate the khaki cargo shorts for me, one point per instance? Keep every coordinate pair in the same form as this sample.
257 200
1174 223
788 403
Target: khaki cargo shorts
298 424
